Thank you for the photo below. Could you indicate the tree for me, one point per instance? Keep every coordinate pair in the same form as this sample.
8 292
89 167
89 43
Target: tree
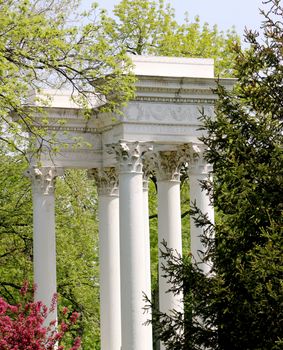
22 325
239 305
77 252
149 27
49 44
76 236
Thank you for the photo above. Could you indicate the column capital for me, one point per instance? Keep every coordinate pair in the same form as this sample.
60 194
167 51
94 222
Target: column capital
43 178
167 164
106 180
129 155
198 165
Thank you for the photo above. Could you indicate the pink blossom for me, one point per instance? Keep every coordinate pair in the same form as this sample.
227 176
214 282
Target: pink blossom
22 326
74 317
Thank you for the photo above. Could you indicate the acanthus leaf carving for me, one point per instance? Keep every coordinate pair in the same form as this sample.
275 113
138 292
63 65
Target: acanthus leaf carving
198 164
129 155
167 164
106 180
43 178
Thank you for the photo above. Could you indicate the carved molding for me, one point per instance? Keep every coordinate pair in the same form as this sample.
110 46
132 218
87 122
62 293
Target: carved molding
70 128
43 179
129 155
186 100
198 165
106 180
167 164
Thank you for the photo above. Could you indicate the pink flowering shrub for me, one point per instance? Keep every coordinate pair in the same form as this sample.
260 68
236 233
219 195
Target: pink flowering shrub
22 326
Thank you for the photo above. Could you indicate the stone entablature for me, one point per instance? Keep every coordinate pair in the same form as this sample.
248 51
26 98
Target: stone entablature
170 93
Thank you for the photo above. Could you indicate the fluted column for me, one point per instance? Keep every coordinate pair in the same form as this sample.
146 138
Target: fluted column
132 243
109 257
199 170
44 240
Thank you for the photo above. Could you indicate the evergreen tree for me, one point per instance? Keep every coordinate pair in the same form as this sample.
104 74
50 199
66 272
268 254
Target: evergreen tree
240 304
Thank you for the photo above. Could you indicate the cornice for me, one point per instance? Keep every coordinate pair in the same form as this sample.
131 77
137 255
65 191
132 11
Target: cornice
184 86
185 80
172 60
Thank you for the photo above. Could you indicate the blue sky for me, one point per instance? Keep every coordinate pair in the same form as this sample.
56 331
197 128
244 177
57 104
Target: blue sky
224 13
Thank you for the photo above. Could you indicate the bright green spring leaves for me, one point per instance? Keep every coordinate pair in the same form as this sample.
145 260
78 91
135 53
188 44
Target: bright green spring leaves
47 44
150 28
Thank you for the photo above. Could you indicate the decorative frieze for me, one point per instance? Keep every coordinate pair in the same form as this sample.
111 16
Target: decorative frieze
106 180
165 113
43 179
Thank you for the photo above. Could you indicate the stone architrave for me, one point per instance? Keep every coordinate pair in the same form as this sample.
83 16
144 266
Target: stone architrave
199 170
109 256
132 243
44 240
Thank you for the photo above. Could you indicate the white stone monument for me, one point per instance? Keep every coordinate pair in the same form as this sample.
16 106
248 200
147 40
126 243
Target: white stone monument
158 129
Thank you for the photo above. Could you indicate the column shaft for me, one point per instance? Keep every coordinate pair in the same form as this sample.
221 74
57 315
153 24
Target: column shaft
109 257
133 282
200 170
44 239
109 261
203 203
44 250
169 230
147 256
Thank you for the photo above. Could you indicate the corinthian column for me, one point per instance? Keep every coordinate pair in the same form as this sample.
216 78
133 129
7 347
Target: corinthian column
44 241
167 166
132 253
199 171
109 257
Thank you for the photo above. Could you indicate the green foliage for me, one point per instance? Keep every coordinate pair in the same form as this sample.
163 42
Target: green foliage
15 227
239 304
76 233
48 44
149 28
77 251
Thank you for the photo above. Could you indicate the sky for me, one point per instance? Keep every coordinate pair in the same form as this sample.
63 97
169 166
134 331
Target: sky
224 13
